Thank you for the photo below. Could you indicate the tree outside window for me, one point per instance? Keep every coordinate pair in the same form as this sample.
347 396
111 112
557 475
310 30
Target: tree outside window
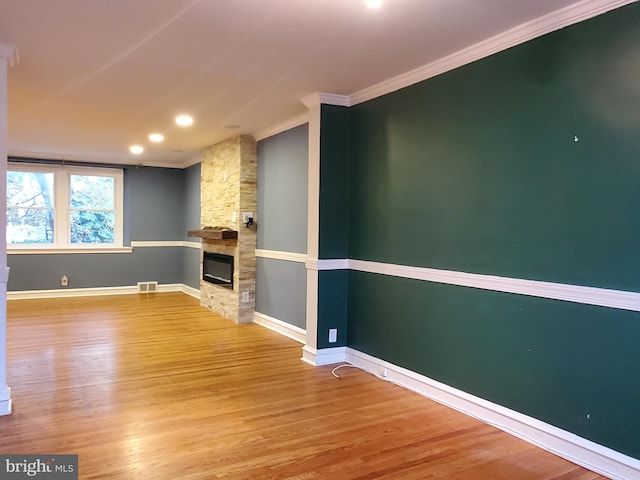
30 207
92 209
63 206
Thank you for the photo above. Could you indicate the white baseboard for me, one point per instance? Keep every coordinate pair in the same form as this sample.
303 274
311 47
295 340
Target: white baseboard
90 292
581 451
193 292
70 292
283 328
324 356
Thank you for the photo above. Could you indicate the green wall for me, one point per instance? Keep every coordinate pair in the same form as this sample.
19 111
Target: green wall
571 365
334 182
478 170
333 223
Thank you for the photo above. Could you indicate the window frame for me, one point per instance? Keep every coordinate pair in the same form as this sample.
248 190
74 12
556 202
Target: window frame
62 209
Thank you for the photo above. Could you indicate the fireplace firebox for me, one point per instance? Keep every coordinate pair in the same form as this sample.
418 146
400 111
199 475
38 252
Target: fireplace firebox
218 268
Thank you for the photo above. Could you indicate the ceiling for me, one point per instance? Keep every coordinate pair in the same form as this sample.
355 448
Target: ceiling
96 76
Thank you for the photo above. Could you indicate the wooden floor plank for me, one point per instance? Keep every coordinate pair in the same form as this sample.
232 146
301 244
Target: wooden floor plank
155 386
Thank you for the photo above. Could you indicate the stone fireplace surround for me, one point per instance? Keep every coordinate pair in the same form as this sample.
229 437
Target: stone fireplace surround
229 187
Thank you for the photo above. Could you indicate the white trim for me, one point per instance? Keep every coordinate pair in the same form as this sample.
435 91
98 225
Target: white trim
602 297
171 287
316 99
327 264
277 255
5 405
333 264
10 52
70 292
72 250
564 17
556 291
282 127
581 451
97 291
192 292
283 328
165 243
313 223
82 158
324 356
197 158
62 204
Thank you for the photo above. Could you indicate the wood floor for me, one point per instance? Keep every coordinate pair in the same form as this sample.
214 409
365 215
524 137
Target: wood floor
156 387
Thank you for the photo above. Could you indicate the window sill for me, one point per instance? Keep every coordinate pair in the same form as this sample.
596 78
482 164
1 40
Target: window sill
62 250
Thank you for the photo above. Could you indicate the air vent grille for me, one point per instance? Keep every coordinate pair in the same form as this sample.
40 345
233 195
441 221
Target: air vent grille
147 287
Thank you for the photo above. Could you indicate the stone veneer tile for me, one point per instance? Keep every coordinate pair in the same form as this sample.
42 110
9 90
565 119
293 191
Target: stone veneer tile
228 188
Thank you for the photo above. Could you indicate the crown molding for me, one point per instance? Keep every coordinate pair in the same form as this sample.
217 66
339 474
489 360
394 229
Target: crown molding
282 127
93 159
10 52
315 99
197 158
551 22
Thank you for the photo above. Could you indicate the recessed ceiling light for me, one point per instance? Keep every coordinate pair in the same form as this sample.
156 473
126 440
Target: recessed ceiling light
374 3
156 137
136 149
184 120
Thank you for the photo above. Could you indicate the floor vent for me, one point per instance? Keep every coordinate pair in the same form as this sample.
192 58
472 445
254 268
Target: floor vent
147 287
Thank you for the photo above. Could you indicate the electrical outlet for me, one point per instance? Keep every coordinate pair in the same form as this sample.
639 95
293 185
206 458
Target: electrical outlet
248 218
64 281
333 335
245 297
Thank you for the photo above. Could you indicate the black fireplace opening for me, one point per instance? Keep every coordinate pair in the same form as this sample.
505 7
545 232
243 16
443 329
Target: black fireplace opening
218 269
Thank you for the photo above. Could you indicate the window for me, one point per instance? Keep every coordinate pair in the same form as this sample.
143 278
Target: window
51 207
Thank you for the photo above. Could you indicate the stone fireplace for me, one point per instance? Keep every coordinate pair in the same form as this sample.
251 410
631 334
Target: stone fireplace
228 189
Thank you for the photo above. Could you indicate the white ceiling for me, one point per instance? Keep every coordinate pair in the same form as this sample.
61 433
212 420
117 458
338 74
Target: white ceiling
95 76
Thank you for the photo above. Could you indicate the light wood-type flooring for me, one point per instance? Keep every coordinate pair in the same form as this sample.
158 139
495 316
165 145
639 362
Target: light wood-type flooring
156 387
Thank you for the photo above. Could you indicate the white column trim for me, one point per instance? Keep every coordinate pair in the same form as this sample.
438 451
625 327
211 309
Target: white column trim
581 451
323 356
8 57
6 402
313 223
10 52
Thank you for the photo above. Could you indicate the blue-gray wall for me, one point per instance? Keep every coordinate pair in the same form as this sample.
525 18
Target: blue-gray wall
160 204
155 203
191 256
282 224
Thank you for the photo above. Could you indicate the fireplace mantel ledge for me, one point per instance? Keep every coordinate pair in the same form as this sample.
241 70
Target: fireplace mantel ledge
214 234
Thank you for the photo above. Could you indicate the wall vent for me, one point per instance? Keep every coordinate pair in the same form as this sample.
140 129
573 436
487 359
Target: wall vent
147 287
